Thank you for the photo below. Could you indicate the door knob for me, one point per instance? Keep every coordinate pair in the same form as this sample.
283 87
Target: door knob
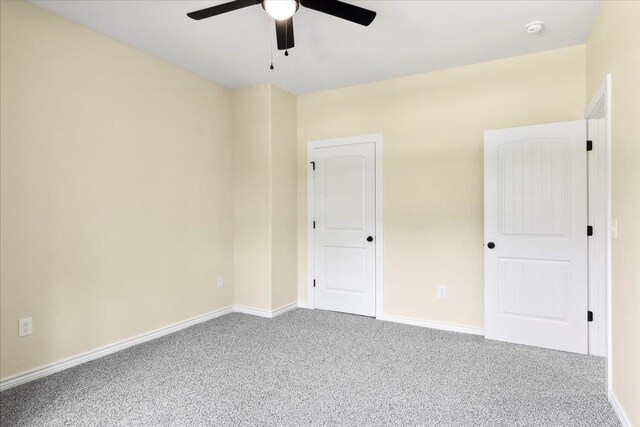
491 245
370 239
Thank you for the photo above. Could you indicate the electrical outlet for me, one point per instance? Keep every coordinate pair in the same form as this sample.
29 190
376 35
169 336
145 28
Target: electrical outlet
442 291
25 327
220 282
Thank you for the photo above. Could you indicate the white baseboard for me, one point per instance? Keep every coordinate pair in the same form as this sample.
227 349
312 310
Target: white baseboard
617 408
284 309
304 304
432 325
418 322
52 368
252 311
265 313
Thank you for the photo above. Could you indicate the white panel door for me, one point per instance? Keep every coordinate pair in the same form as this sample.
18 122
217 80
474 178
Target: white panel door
344 233
535 198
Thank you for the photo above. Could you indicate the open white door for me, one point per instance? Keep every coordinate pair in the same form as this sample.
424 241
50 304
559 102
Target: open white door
344 243
535 198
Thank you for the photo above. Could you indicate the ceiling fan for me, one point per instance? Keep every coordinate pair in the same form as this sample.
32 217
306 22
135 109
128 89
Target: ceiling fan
282 11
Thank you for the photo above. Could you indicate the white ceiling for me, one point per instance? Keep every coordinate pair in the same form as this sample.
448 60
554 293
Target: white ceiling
407 37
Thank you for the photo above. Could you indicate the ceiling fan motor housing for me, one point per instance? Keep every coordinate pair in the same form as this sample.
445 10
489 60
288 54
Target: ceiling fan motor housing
280 10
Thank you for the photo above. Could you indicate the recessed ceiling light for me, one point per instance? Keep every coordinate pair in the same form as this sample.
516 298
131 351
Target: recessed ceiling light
534 27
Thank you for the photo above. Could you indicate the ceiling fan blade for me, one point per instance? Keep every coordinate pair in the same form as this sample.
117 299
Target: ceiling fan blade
221 8
284 34
342 10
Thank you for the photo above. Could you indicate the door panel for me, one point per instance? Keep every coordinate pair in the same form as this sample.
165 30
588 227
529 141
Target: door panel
344 192
532 178
533 288
536 216
345 269
344 210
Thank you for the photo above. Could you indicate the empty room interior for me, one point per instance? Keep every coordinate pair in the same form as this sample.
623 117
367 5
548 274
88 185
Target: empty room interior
392 213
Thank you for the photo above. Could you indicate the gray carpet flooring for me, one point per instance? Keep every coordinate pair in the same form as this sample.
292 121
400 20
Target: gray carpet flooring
312 367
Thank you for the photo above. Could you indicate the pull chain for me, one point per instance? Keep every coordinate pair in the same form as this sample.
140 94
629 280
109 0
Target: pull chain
271 46
286 36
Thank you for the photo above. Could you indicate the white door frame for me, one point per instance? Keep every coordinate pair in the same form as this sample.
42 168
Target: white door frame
312 145
602 243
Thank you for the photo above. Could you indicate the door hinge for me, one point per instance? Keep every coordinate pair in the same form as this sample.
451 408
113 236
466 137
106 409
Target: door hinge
589 316
314 283
589 230
589 145
313 165
314 225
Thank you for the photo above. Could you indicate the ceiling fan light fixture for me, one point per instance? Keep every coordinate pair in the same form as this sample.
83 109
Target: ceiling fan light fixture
280 10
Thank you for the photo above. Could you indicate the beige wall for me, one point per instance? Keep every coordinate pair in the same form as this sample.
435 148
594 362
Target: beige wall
614 47
252 196
283 183
264 166
115 187
128 186
432 126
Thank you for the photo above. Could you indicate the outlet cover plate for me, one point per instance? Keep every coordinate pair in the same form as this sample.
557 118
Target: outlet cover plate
442 291
25 327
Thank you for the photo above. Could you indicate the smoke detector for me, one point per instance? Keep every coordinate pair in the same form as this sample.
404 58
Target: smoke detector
534 27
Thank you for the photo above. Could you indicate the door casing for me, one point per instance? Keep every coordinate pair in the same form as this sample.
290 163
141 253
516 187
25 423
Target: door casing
312 145
600 246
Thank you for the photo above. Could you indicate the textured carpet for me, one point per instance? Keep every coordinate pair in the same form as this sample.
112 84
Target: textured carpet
312 367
